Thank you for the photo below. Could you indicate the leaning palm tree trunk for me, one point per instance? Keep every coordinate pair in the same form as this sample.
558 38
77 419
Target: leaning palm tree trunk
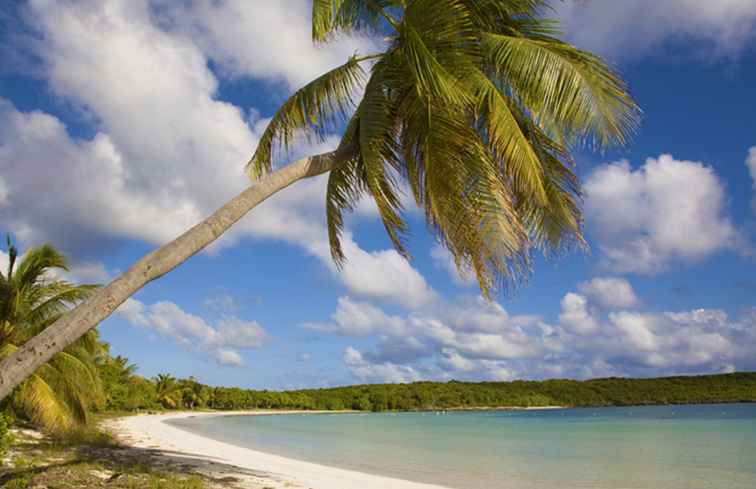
34 353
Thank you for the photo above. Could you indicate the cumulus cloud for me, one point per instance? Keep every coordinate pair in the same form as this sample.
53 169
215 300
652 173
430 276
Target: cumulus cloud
575 315
634 28
643 220
228 357
383 275
610 292
471 328
269 40
220 341
367 371
166 151
473 340
353 318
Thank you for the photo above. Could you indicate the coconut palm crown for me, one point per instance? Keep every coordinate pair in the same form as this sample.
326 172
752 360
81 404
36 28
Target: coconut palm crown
60 394
475 107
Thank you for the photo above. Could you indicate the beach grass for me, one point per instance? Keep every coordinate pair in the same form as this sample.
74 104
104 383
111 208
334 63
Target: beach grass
91 458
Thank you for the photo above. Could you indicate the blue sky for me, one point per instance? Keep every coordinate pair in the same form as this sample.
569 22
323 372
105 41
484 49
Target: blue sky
122 123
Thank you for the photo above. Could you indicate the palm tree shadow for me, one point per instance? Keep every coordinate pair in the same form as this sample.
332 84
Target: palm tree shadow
121 459
32 471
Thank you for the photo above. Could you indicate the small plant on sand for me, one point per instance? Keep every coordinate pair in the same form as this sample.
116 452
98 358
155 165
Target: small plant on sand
5 434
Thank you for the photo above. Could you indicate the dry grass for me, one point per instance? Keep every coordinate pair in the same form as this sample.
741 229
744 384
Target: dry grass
91 459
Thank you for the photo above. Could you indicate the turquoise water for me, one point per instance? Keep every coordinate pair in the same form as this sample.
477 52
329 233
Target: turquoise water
659 447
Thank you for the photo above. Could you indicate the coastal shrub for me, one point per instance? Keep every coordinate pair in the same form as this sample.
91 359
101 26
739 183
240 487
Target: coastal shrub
5 434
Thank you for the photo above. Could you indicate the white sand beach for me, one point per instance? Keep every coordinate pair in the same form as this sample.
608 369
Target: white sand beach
252 468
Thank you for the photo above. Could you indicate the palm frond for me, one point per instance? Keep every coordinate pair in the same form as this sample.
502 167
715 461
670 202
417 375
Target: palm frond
346 185
63 296
380 154
439 46
506 139
37 262
564 86
330 17
467 205
41 404
312 110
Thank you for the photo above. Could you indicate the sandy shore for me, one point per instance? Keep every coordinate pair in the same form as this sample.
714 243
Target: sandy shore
251 468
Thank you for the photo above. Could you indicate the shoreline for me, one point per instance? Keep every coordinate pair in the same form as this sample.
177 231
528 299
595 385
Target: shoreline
256 469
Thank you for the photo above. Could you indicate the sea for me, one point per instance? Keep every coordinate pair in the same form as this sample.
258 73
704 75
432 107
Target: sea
711 446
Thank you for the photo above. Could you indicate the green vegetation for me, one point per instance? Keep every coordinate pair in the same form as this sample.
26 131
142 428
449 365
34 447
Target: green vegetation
61 393
5 435
35 462
737 387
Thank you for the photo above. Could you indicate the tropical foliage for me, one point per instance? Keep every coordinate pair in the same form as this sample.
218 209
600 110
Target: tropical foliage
5 436
62 392
124 390
474 106
739 387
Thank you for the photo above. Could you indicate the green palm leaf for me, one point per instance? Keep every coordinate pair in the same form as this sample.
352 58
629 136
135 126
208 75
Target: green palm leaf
313 109
563 85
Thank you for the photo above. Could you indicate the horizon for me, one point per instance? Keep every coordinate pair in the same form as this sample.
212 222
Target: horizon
150 110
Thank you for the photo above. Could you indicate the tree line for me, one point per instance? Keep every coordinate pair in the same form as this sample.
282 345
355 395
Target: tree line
128 391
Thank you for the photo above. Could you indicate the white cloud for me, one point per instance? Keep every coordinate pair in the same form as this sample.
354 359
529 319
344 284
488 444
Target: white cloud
750 163
263 39
576 316
383 275
636 329
643 220
167 151
634 28
366 371
444 260
193 332
133 311
356 319
468 332
228 357
472 340
610 292
233 331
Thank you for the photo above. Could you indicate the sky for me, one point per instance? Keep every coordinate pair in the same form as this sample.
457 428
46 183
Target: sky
124 122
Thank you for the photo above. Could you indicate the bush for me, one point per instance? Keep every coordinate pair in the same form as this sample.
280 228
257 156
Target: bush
5 434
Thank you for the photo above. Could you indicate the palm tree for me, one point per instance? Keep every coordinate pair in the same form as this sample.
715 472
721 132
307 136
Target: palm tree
473 105
62 391
168 392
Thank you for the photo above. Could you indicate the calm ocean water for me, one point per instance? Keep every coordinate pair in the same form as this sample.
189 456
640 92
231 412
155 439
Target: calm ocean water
654 447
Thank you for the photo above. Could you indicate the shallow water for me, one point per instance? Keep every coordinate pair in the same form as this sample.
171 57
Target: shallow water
659 447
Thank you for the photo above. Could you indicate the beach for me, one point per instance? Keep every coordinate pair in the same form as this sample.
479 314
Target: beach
253 469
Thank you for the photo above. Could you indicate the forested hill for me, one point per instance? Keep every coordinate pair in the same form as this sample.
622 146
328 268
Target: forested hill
126 391
735 387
